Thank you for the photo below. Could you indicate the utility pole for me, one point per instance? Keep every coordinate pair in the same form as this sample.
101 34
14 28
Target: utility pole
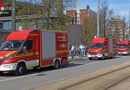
98 28
78 12
129 24
13 13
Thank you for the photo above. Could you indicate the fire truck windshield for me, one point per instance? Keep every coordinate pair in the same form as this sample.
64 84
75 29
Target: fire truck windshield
123 45
11 46
97 45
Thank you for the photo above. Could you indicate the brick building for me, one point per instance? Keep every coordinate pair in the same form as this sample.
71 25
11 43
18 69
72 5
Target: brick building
84 13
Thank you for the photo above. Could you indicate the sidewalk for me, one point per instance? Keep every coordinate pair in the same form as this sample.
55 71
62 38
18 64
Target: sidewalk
77 57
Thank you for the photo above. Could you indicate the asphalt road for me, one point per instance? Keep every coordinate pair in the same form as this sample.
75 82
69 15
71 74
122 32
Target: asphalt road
41 77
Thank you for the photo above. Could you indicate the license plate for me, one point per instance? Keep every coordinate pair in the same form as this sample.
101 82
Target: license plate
93 55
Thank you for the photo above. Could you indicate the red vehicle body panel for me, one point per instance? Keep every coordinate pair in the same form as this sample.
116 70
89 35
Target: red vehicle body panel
61 44
98 40
1 4
124 42
19 35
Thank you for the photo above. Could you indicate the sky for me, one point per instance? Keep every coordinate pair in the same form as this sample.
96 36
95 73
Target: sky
120 7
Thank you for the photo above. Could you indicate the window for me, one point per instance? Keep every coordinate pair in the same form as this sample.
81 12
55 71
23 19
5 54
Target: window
11 46
28 44
97 45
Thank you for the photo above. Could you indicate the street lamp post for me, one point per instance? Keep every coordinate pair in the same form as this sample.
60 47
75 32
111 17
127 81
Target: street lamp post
13 23
98 28
129 25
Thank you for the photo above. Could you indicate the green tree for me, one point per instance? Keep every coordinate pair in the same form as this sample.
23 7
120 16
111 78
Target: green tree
89 28
51 11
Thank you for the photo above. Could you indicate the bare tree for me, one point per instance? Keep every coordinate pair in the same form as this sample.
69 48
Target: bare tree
105 16
124 28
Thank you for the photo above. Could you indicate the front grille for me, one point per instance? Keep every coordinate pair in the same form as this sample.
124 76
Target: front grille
121 50
93 52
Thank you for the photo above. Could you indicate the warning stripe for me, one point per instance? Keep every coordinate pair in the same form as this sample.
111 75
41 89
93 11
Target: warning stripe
62 51
34 34
28 54
10 53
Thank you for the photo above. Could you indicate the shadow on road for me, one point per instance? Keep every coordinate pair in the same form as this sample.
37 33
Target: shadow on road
106 59
39 72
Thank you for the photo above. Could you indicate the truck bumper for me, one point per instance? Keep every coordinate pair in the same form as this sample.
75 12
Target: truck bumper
123 53
8 67
95 56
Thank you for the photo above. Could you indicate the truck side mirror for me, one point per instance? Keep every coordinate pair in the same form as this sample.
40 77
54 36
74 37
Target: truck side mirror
24 49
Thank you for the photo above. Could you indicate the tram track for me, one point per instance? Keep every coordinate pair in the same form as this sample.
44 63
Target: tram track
117 83
65 88
98 80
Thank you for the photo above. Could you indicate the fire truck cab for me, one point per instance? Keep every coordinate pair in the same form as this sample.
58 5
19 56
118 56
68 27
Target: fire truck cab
124 47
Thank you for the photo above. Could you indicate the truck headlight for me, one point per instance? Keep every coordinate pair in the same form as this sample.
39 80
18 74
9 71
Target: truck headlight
99 51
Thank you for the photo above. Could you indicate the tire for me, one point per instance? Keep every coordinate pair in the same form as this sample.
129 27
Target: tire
56 64
103 57
90 58
21 69
1 72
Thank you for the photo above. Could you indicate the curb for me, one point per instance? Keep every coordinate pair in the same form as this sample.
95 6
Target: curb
77 57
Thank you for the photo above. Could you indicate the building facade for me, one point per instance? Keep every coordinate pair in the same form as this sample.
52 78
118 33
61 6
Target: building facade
117 29
75 33
84 13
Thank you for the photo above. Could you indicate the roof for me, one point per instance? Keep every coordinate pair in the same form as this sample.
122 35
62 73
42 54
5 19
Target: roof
19 35
124 42
98 40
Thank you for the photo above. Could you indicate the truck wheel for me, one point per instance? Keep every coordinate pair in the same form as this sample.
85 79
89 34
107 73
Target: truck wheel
103 57
1 72
90 58
21 69
56 64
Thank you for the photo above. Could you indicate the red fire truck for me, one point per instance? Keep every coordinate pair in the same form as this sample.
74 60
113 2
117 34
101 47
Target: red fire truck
29 49
102 48
124 47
